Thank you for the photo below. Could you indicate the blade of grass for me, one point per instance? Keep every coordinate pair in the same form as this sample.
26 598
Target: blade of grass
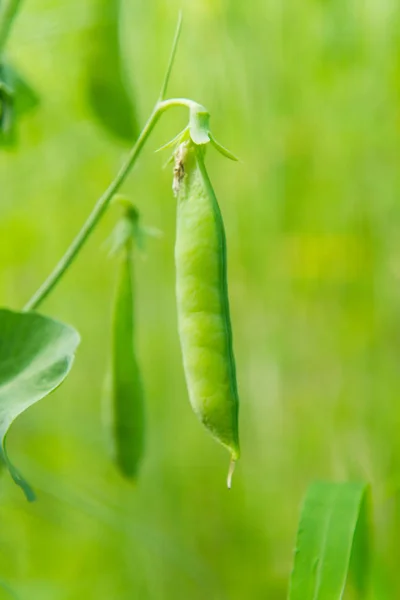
332 542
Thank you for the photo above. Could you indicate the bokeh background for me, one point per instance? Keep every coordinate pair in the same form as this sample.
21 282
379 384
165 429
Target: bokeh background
307 93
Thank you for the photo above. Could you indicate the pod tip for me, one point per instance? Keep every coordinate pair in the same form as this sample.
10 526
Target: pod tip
231 470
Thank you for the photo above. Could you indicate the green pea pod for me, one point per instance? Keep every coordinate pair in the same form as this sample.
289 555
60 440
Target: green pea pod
110 99
202 300
126 402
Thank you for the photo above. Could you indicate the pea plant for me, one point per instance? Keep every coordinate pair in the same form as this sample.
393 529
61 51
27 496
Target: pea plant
37 352
40 351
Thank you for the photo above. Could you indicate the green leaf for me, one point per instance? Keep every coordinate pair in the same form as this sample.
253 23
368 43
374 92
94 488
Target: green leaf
332 540
109 96
125 401
36 354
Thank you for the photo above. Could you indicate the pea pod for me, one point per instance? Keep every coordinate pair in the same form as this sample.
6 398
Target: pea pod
125 397
202 300
110 97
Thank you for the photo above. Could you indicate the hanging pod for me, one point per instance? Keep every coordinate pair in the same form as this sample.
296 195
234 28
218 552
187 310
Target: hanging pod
125 398
202 300
110 96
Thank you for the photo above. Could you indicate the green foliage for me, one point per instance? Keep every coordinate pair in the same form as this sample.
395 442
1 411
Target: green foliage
332 536
36 354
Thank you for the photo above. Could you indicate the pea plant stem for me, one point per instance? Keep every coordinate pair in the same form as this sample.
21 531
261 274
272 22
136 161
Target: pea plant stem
171 61
8 12
102 204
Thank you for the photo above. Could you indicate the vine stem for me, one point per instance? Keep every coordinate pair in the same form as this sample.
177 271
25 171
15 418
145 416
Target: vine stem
102 204
7 16
168 72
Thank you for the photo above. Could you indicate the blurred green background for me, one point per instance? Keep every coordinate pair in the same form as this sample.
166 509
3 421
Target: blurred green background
307 93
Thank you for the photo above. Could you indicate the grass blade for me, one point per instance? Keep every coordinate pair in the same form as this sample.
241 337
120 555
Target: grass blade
332 542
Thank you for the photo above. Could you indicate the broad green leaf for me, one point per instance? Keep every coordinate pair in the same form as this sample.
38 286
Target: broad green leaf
36 354
125 401
332 540
111 100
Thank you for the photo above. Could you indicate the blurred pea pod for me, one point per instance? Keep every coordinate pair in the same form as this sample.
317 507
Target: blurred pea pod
124 397
202 300
109 96
16 98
